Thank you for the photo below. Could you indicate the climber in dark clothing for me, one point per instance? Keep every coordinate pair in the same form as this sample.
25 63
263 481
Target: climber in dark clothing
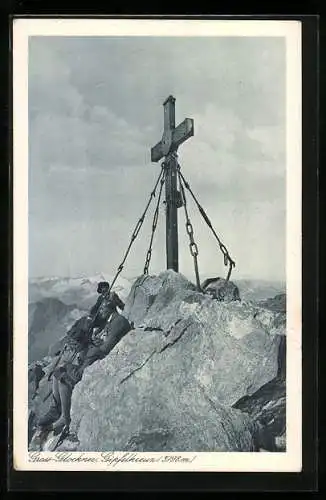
82 346
106 305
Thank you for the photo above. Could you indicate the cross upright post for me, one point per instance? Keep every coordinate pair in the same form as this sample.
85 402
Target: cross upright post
167 147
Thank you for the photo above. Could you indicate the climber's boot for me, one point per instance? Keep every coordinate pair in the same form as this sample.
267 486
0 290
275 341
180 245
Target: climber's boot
62 424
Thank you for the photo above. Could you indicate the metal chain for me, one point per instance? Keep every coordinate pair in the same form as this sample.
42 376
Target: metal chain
226 255
154 225
192 245
137 229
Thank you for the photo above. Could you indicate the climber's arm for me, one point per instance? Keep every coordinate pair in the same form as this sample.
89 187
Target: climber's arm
119 302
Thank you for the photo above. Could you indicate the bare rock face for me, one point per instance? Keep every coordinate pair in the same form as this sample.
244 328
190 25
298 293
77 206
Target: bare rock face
144 294
138 399
173 382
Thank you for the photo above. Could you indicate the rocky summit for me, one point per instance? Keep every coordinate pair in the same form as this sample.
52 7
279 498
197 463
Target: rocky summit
194 374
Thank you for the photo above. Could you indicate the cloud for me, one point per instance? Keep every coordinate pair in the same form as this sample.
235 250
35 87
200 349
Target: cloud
95 110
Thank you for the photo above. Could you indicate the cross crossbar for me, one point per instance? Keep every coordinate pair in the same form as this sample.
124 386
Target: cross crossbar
173 136
179 135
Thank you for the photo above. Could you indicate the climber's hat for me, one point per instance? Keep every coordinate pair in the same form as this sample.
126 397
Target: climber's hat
103 286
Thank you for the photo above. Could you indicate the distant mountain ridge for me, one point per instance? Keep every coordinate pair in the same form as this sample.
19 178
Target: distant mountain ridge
48 320
81 291
64 287
259 289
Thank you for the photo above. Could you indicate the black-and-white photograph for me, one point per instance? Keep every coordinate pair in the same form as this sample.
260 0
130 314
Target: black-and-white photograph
157 242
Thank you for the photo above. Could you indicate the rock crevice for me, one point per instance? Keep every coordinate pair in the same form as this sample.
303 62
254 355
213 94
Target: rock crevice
137 369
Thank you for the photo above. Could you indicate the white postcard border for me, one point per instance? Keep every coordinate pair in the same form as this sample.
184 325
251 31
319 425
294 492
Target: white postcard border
289 461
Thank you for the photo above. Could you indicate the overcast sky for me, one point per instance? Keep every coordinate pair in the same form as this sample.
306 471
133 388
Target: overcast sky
95 110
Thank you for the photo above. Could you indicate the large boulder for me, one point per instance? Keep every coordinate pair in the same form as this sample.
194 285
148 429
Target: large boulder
155 294
170 383
139 399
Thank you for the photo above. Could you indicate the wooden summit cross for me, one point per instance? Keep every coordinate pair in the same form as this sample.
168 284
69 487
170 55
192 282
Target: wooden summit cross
172 138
